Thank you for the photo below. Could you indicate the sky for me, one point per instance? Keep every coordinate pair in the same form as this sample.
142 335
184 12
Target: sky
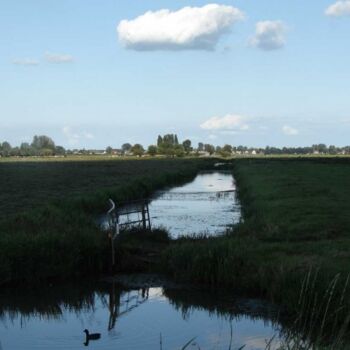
92 73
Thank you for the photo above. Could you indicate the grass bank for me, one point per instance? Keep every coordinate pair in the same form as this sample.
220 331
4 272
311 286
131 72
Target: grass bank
293 246
47 227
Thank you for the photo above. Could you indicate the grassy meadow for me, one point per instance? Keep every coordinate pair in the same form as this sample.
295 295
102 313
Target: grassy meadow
30 184
48 208
292 247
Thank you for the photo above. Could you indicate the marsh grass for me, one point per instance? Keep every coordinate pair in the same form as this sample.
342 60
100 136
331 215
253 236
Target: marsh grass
295 224
319 324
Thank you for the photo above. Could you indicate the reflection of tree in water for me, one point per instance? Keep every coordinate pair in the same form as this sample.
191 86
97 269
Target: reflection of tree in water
226 305
44 303
222 304
52 304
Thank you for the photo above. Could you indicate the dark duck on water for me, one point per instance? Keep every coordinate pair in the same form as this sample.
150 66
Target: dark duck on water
92 336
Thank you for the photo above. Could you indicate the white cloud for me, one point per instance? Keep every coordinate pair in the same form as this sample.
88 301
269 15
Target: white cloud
269 35
212 137
197 28
290 131
338 9
75 137
228 122
58 58
26 62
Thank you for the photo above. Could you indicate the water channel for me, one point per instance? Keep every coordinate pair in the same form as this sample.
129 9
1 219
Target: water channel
152 316
133 318
207 205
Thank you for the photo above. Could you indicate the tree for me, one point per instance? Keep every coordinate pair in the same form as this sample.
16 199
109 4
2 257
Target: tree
137 150
227 149
200 147
126 147
26 150
5 149
109 150
43 142
152 150
60 151
333 150
46 152
209 148
187 146
14 152
167 143
322 148
170 140
159 141
179 151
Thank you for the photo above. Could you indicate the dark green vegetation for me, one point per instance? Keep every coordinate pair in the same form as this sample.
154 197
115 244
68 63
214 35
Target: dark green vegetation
141 251
293 246
47 211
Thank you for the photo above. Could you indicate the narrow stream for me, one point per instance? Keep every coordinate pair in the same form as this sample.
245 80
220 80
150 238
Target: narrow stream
157 316
207 205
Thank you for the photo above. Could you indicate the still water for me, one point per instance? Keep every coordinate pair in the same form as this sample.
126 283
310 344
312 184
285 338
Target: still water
157 316
134 318
207 205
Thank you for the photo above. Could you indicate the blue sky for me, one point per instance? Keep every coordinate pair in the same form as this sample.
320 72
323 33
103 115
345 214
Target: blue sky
66 72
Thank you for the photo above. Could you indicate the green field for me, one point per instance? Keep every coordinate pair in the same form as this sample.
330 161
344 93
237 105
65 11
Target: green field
47 227
25 185
297 200
293 246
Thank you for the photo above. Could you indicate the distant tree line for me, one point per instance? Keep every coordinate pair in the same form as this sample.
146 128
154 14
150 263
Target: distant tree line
314 149
166 145
41 146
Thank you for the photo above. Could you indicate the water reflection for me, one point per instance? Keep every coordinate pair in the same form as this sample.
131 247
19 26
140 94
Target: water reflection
206 205
54 318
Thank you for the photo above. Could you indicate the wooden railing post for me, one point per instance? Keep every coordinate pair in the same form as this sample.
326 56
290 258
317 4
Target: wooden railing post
149 219
144 216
